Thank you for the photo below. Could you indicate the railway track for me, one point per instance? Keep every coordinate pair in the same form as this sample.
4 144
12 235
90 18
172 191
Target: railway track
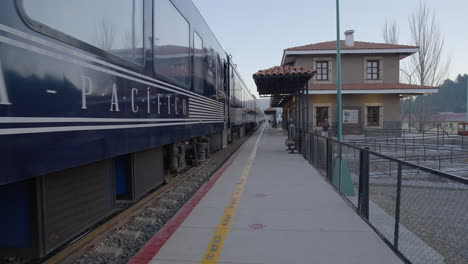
119 237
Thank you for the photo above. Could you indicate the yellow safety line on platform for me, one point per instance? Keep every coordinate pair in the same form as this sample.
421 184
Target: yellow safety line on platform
215 246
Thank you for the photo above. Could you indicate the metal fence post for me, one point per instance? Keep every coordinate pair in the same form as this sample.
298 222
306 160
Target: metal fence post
405 151
340 156
363 199
397 209
317 142
424 146
451 155
329 159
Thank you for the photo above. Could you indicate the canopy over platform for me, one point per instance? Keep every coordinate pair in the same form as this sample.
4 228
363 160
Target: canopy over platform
281 80
278 100
270 110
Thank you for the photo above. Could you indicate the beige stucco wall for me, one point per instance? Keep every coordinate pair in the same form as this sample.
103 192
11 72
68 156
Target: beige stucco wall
390 103
353 67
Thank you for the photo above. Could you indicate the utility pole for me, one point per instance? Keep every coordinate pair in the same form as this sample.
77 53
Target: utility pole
338 73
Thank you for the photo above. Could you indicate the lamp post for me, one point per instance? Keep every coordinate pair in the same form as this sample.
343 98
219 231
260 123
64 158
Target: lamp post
338 73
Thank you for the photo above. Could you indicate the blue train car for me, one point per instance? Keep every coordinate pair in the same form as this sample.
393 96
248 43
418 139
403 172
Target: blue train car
95 98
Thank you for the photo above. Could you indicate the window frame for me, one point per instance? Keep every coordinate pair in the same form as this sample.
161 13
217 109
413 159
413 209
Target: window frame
316 115
380 116
322 62
192 67
77 43
161 76
372 68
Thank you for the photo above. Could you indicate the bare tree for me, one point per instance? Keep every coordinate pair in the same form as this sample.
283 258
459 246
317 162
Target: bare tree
421 114
428 64
390 32
105 34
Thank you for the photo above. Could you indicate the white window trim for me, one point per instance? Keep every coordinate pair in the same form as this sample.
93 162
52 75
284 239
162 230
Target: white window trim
314 113
330 70
381 116
381 68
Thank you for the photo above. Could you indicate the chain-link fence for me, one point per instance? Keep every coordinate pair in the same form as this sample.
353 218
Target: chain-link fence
420 211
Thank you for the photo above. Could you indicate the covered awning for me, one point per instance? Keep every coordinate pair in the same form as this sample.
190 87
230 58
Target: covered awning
270 111
278 100
281 80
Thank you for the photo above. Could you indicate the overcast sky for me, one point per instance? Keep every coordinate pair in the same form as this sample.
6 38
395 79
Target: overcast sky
255 32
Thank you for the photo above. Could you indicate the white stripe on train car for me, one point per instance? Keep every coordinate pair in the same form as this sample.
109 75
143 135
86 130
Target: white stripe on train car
205 107
207 112
36 130
84 56
91 120
84 64
101 69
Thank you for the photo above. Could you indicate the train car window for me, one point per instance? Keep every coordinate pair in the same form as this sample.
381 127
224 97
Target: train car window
171 42
115 26
198 64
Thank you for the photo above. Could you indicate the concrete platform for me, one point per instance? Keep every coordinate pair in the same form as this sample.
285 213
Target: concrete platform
287 213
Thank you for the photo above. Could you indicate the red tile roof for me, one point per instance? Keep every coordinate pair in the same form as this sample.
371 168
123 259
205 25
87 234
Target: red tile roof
448 116
370 86
439 117
358 45
283 70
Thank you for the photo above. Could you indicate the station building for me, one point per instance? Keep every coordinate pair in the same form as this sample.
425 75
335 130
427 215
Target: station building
371 87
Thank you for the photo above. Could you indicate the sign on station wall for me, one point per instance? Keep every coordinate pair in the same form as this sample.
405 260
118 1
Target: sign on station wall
351 116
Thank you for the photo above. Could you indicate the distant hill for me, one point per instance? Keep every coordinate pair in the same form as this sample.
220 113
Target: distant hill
450 98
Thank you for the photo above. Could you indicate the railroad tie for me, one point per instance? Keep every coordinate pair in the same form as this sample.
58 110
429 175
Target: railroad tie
129 234
168 203
158 210
108 252
145 220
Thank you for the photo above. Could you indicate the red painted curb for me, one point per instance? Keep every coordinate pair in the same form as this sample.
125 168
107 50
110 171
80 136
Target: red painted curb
152 247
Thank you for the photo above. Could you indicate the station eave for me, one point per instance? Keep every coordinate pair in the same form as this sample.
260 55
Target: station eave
368 88
281 80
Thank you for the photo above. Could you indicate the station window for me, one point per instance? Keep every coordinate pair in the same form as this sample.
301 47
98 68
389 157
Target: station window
320 114
373 116
322 70
373 70
171 42
115 26
198 64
